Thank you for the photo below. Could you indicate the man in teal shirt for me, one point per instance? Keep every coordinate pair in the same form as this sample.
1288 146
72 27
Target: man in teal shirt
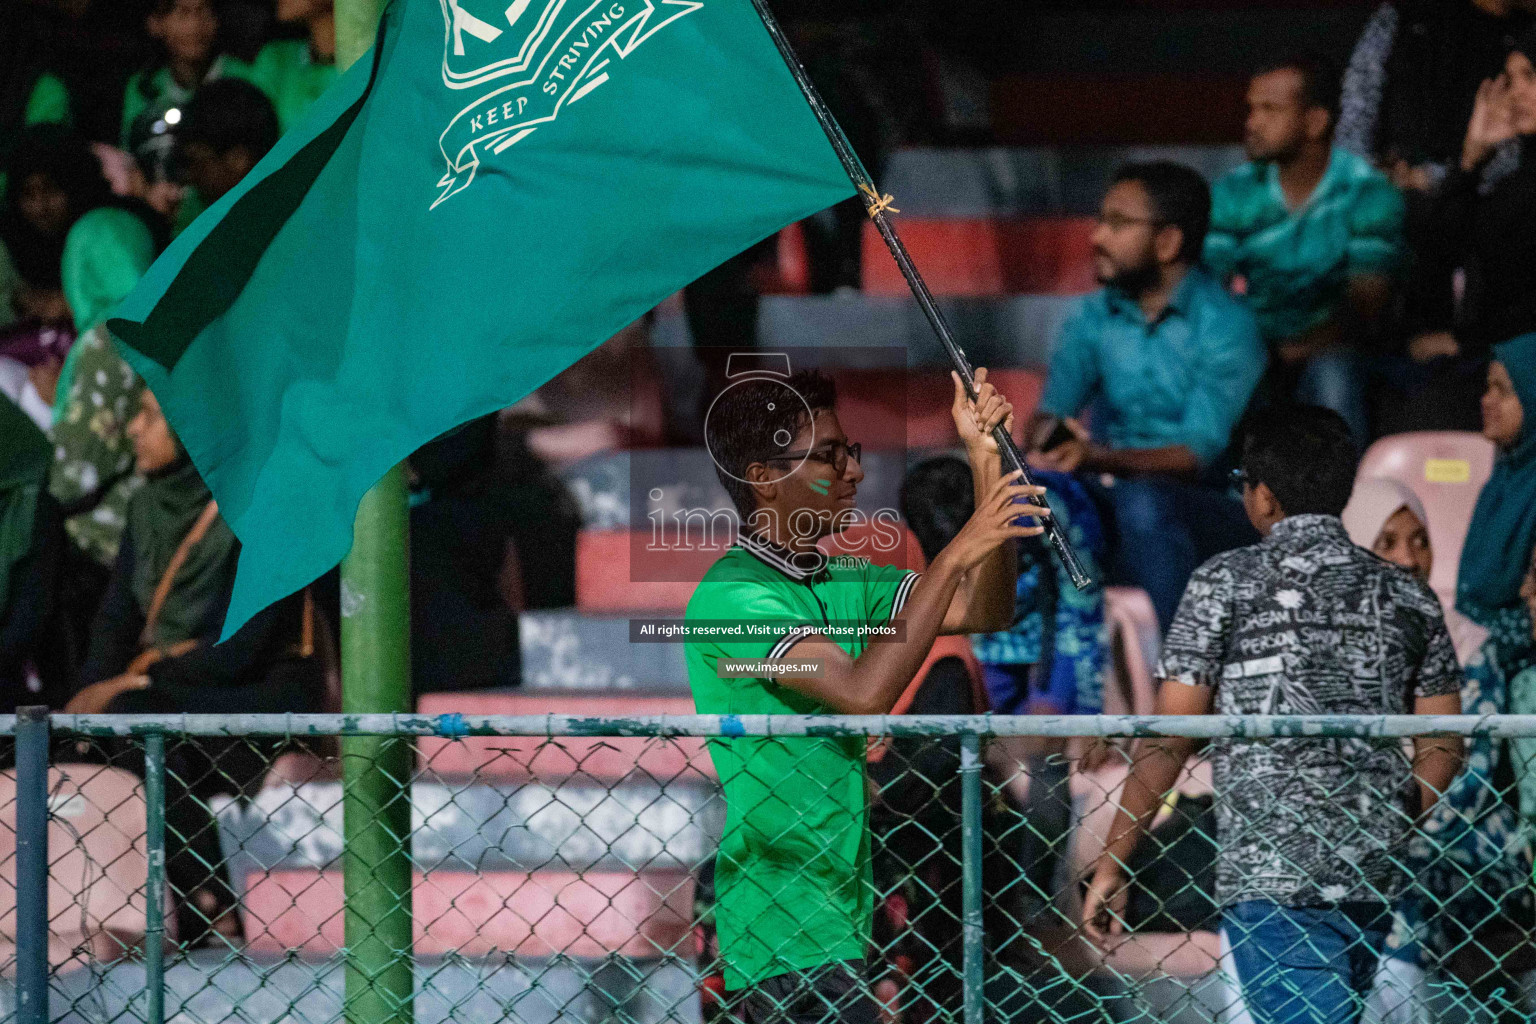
794 890
1167 360
1315 233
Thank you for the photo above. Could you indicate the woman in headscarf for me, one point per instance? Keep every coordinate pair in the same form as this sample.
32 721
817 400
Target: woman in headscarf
1473 832
92 476
29 552
154 649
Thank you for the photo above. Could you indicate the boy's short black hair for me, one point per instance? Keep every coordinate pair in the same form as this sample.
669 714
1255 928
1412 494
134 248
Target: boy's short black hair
751 421
1180 198
1305 455
936 500
227 113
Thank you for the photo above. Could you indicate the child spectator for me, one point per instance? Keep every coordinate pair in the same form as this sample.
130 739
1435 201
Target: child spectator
155 100
294 72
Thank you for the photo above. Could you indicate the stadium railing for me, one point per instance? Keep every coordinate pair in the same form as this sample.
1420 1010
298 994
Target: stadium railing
187 869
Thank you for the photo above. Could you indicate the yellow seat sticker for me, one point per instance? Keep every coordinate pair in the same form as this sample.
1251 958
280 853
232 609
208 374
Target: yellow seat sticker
1447 471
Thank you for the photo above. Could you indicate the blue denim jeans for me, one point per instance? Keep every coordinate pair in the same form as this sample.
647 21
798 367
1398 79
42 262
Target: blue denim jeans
1164 528
1335 380
1306 965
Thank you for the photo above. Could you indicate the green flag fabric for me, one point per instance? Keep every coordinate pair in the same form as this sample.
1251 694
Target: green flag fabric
482 199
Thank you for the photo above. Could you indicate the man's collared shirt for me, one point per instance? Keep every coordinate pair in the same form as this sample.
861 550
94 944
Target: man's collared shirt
1185 378
794 887
1307 623
1297 263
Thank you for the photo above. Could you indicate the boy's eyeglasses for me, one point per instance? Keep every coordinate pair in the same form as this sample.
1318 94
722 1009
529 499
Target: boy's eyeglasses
834 453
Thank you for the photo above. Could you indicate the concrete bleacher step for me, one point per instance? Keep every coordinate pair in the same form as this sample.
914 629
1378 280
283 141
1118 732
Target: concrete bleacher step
1037 181
568 650
543 914
1015 330
532 846
210 986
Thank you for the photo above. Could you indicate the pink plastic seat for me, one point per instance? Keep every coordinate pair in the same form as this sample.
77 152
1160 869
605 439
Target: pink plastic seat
1134 641
1446 469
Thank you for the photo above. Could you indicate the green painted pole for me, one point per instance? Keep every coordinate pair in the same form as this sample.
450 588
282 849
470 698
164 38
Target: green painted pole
375 677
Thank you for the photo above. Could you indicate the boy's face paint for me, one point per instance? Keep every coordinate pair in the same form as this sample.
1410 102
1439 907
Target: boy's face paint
820 486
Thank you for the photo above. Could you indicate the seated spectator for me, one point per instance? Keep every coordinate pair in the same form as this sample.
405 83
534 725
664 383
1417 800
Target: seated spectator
1411 79
1522 701
32 83
1049 662
1168 360
92 476
30 546
154 649
1503 530
1472 832
54 180
294 72
1310 830
1408 94
1486 221
1316 234
187 34
225 130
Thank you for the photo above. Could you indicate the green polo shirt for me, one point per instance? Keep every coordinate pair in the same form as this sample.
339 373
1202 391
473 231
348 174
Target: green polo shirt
792 878
1297 263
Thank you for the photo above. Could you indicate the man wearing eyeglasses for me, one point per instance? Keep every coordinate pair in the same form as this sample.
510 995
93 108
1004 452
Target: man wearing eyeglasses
1167 361
794 889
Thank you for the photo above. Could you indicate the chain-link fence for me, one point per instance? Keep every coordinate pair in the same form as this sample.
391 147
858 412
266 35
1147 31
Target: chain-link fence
256 869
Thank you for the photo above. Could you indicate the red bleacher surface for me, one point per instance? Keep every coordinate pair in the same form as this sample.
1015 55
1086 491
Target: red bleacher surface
96 866
910 408
519 759
985 256
604 585
1126 110
540 914
605 582
1446 469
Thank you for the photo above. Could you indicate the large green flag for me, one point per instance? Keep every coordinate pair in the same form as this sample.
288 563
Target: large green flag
482 199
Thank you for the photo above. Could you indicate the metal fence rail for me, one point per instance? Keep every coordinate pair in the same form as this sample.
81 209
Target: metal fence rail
188 868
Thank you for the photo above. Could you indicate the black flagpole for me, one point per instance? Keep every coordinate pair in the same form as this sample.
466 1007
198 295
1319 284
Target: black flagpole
876 207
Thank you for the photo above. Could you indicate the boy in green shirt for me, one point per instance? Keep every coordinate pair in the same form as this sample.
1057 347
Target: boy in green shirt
794 894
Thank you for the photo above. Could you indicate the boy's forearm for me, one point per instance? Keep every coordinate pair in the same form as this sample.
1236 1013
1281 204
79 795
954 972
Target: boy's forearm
1155 767
882 673
1436 762
988 589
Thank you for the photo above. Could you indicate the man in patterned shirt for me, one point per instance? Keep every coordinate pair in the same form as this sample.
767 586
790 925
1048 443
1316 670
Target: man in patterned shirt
1314 231
1310 830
